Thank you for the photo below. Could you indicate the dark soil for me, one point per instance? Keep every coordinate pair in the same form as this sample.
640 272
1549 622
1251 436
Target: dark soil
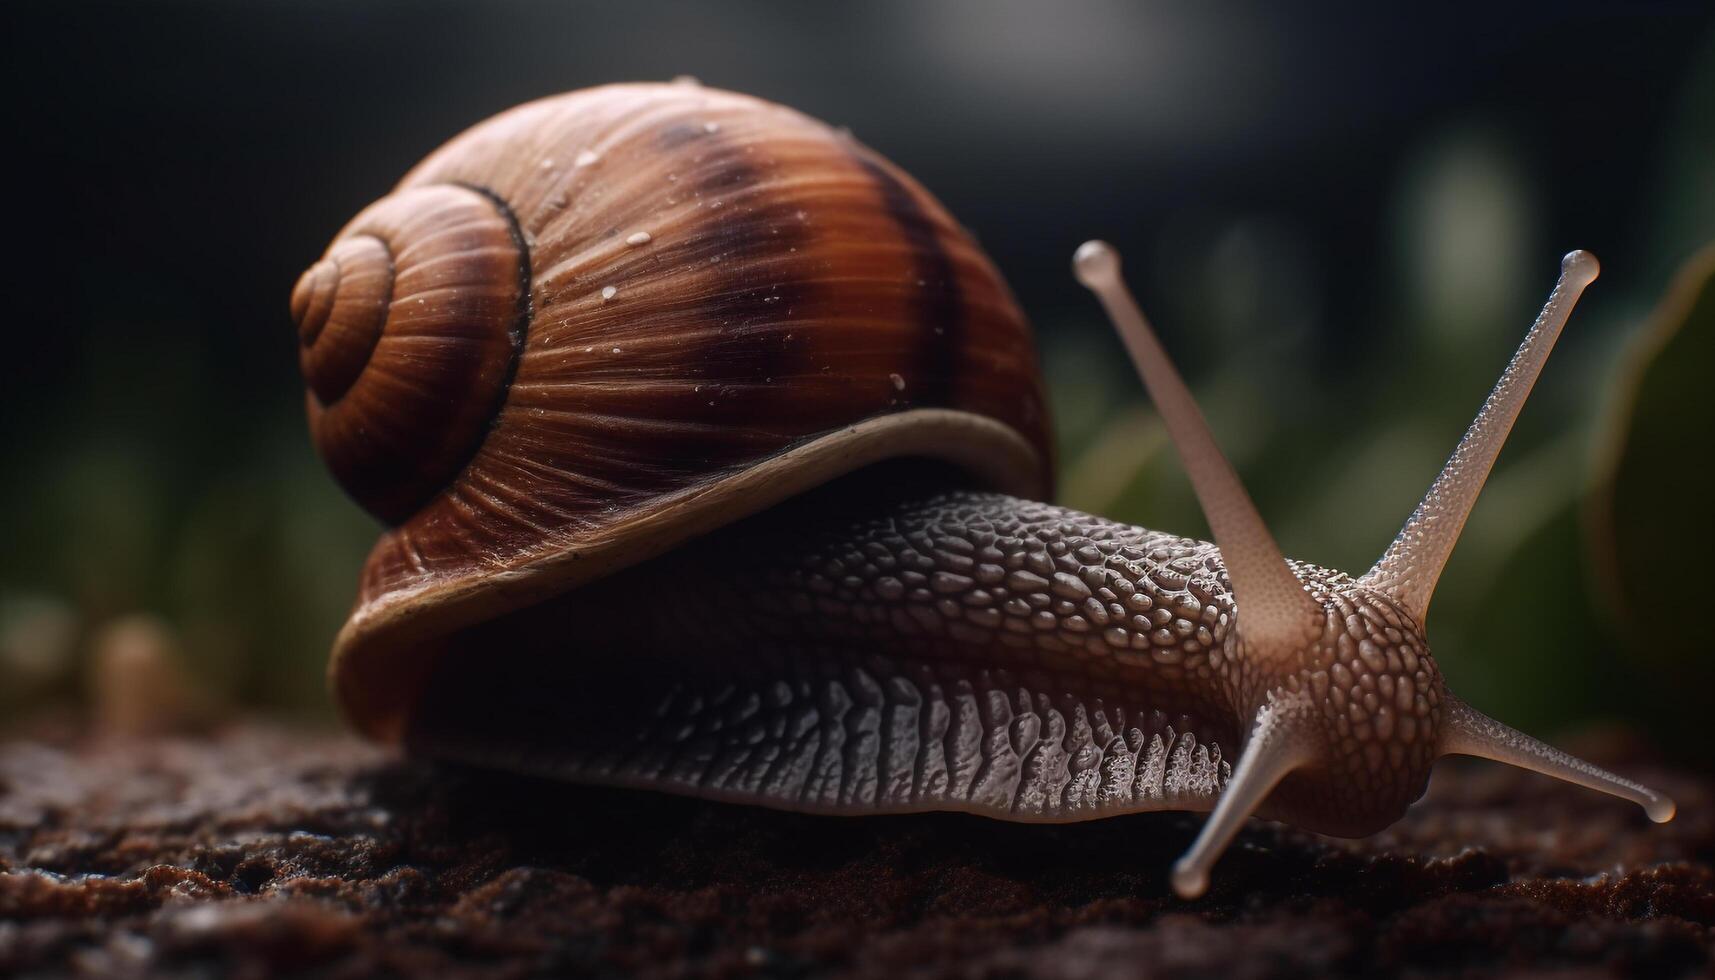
261 852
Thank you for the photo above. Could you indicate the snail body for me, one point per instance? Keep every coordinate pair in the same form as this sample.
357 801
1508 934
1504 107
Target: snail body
710 448
883 644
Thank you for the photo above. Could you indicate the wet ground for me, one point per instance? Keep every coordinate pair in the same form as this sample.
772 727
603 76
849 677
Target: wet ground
265 852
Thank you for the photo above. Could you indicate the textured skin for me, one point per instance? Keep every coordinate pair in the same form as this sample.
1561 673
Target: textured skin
866 652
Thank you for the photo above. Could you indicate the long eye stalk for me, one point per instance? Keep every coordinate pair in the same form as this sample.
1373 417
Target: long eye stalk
1278 615
1412 564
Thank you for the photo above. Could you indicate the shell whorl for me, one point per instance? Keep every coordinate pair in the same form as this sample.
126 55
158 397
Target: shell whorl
409 329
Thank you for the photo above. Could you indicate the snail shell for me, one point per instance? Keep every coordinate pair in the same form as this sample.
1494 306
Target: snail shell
599 324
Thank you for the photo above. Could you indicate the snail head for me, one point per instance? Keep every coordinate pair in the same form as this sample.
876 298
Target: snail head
1349 709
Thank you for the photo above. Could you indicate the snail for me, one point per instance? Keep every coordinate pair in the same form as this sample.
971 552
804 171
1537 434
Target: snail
711 452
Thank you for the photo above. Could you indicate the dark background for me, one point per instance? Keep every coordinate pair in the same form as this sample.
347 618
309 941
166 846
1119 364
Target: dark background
1341 221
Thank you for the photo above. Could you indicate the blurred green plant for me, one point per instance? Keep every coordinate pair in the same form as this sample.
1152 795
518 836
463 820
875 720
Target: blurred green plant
251 573
1650 532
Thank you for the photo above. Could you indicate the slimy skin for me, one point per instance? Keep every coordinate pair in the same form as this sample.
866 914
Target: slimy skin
864 651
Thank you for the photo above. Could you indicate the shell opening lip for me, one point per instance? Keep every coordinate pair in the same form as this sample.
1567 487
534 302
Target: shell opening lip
381 656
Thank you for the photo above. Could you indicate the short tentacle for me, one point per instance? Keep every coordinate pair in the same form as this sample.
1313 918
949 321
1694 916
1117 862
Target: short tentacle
1277 745
1470 732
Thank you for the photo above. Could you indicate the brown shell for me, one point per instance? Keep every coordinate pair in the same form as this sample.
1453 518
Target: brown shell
409 329
728 303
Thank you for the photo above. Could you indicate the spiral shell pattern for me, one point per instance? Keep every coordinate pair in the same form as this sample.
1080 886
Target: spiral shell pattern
409 329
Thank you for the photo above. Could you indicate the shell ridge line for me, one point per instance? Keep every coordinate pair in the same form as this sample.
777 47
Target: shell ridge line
518 332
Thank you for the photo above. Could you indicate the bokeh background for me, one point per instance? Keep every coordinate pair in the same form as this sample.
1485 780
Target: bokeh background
1342 222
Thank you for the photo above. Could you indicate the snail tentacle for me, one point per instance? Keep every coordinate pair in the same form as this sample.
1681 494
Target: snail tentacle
1279 616
1470 732
1279 742
1408 570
